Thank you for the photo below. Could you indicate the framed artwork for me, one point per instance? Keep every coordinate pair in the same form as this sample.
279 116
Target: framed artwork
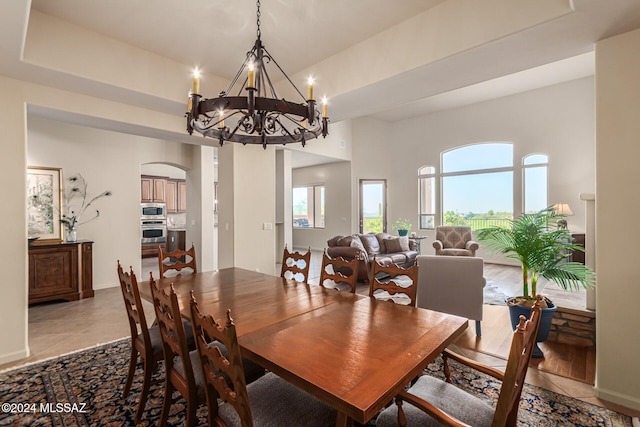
44 203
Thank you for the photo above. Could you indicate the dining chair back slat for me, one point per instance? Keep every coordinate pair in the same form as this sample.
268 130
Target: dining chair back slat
394 283
219 370
339 271
177 261
291 268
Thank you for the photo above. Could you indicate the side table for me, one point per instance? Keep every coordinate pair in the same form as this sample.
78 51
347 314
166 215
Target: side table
416 242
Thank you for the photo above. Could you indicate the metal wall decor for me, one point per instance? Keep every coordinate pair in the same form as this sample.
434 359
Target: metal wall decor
258 117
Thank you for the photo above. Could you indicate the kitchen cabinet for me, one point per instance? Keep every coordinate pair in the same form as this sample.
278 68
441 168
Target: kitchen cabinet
171 196
151 250
176 240
176 195
153 189
182 196
60 271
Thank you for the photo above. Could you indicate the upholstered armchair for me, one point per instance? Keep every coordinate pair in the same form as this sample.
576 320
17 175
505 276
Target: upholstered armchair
452 285
455 241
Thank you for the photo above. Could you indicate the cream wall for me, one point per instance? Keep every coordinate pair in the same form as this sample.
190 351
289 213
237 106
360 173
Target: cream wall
13 304
108 161
247 207
17 97
617 207
557 121
337 210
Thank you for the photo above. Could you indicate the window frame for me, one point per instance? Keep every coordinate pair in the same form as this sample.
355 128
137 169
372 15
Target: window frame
315 193
433 175
438 180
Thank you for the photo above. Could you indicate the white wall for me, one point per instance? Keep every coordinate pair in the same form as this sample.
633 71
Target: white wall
247 207
13 227
557 120
337 206
108 161
617 207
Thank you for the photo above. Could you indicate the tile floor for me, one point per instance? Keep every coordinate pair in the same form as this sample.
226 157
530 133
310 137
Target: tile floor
58 328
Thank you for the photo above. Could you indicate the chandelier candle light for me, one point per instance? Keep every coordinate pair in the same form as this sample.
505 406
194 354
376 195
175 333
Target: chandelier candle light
259 117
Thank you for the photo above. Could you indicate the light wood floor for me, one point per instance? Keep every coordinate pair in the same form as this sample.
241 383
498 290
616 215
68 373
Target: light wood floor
59 328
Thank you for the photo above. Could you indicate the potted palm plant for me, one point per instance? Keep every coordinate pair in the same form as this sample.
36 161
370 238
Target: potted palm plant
543 250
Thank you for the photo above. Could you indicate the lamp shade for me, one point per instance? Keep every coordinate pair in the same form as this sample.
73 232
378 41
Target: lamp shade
563 209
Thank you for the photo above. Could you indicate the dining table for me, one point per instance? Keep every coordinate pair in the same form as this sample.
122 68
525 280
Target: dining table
353 352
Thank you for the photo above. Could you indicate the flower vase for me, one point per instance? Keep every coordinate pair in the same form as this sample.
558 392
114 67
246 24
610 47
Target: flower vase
72 235
403 232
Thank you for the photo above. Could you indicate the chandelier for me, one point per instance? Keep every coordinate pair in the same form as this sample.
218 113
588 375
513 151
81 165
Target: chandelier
258 117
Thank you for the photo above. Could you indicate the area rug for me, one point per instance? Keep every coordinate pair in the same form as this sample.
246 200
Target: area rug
493 295
85 389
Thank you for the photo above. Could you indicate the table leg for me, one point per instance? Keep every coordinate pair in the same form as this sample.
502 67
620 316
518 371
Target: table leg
343 421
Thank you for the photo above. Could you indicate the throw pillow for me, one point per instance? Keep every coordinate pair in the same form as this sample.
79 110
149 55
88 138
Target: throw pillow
356 243
397 244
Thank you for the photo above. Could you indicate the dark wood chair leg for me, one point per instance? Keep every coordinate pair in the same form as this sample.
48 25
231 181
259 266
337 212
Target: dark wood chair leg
192 407
166 403
133 362
146 384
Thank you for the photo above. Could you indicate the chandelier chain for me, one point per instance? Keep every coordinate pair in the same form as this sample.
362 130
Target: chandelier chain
258 18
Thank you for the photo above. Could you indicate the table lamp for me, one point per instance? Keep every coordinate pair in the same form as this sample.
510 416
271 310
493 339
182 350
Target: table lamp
562 209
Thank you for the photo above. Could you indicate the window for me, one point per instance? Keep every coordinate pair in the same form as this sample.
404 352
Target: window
308 206
373 206
427 196
477 185
534 182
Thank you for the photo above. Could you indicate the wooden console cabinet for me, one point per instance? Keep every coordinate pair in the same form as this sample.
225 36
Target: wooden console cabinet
577 256
60 271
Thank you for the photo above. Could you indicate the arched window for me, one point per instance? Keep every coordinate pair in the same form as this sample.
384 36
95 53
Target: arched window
477 184
535 182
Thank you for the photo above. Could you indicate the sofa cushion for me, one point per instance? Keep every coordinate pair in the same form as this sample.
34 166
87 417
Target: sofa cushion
398 258
344 241
381 238
370 243
334 241
396 244
455 252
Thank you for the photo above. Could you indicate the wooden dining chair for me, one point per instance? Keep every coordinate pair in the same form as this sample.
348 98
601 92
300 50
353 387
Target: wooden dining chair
433 402
183 370
291 268
394 283
177 260
179 366
268 401
343 273
145 341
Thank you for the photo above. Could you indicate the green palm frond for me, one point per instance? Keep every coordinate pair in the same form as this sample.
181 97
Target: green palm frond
541 247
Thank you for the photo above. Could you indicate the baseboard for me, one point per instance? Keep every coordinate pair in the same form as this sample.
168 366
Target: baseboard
16 355
617 398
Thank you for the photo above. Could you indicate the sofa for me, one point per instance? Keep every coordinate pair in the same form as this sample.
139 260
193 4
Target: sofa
383 247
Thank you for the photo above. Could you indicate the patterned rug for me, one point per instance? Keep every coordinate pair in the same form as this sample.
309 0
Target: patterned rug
85 389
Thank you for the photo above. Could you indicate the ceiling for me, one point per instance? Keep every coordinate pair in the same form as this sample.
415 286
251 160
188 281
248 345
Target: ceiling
199 32
301 34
